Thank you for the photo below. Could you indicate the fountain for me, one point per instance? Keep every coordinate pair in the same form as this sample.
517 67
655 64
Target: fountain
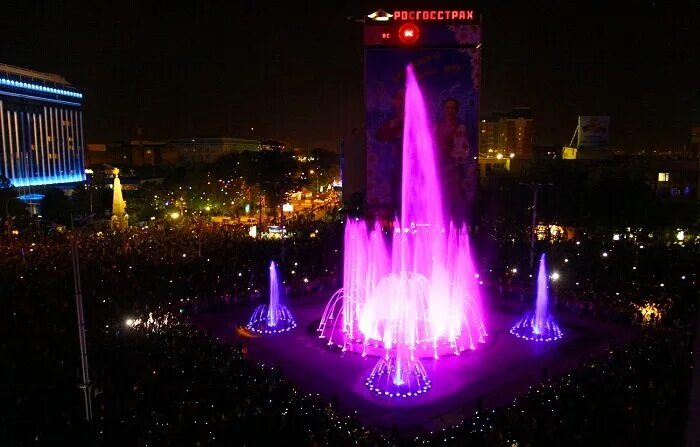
538 325
275 317
409 292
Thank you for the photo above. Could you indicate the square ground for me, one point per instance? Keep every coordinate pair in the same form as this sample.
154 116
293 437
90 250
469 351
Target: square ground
495 372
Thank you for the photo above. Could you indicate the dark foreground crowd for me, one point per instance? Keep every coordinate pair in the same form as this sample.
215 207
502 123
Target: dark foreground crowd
162 381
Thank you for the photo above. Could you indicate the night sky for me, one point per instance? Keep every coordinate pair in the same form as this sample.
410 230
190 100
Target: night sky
294 72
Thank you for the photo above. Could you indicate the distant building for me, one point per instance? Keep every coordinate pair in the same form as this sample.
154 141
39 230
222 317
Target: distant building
273 145
132 153
507 133
41 128
154 153
209 149
516 132
695 142
488 134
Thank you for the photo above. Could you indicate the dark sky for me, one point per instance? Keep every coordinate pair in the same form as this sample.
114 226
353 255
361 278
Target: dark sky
294 72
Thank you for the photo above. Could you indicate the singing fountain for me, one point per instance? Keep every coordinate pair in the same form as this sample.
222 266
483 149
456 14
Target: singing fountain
274 317
539 325
409 292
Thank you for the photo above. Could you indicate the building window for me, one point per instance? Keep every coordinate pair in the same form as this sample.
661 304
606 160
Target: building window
663 176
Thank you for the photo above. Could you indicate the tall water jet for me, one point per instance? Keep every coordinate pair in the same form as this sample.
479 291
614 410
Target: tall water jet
539 325
410 292
274 317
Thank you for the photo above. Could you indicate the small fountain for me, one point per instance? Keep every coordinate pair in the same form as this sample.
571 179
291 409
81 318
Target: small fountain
272 318
399 375
538 325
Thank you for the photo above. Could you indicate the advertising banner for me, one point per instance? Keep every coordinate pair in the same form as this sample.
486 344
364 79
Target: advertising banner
449 79
593 132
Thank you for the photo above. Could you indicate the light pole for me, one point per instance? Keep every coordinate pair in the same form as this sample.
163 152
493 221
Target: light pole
535 187
85 385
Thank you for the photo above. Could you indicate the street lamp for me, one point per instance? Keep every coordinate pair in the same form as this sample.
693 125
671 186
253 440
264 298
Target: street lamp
85 385
535 187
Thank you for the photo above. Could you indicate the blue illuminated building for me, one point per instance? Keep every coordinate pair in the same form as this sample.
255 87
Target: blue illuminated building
41 128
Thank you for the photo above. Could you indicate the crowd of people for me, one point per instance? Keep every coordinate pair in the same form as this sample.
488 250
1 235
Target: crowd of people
159 380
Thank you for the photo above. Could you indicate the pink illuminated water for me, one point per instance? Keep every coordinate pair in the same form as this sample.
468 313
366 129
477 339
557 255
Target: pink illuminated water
274 296
408 291
542 297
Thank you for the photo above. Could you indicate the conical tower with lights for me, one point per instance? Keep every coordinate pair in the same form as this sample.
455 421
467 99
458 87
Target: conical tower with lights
120 220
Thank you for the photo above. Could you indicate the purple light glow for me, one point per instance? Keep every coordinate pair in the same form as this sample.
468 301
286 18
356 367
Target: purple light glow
272 318
398 376
412 294
538 325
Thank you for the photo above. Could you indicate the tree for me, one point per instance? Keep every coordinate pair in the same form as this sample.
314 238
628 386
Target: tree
274 173
55 206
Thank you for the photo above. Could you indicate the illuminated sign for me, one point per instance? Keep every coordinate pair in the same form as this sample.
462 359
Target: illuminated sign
409 33
435 15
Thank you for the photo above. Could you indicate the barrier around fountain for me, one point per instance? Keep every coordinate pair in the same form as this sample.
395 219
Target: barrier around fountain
528 328
398 376
275 317
261 323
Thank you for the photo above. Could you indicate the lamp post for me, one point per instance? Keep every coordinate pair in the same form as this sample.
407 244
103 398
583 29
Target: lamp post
85 384
535 187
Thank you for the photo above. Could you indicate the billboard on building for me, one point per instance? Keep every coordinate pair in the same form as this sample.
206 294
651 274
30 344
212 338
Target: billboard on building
593 132
446 59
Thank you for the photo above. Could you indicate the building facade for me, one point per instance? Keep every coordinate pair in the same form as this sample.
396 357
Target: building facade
508 133
209 149
155 153
41 128
488 134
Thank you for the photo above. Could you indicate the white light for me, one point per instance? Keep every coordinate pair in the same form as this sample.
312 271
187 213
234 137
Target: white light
605 254
616 237
555 276
499 156
662 284
129 322
306 280
680 235
566 260
514 270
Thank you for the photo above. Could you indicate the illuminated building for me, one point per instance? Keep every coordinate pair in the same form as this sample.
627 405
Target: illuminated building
41 128
273 145
516 132
507 133
488 134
